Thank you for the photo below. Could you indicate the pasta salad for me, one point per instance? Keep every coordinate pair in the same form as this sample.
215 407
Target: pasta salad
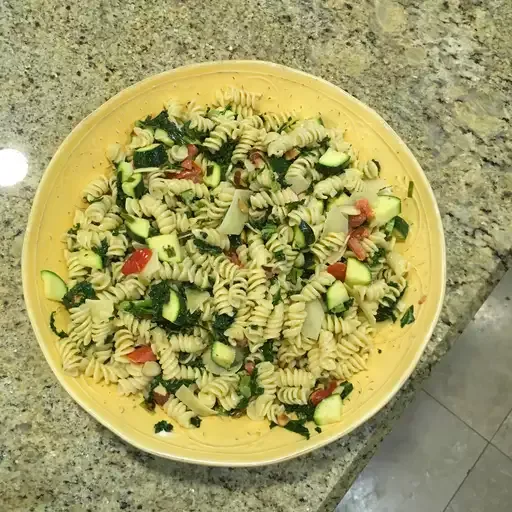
234 261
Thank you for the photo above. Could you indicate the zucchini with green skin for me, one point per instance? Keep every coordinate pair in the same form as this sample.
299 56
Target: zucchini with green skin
126 170
90 259
133 186
167 247
385 208
329 410
333 162
223 355
303 235
336 295
54 287
153 155
400 228
137 229
174 308
213 175
163 136
340 200
357 273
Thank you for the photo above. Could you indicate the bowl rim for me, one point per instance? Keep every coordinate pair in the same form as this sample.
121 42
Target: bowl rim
311 445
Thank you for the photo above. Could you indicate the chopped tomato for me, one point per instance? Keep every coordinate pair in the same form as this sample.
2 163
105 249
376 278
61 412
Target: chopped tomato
187 164
142 355
356 220
338 270
137 261
318 395
249 367
364 206
192 150
355 246
160 399
360 233
192 172
292 154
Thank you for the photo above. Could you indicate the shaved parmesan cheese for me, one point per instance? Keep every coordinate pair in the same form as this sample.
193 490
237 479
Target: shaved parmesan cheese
235 219
313 323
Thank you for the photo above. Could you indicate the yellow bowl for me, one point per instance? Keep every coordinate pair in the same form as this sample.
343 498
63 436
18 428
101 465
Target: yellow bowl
224 441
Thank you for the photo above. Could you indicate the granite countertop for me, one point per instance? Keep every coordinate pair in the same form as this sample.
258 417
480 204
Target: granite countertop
439 73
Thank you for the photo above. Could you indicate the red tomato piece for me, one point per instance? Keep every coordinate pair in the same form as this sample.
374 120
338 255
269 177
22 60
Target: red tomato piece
360 233
318 395
249 367
364 206
186 164
355 246
142 355
355 221
338 270
137 261
192 150
193 174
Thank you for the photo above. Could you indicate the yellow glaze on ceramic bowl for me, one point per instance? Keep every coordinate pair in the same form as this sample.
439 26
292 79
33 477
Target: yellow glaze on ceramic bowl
224 441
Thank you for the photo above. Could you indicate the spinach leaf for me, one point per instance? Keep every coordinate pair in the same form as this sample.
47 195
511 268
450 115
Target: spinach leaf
298 427
162 426
377 255
268 352
279 165
206 247
279 256
348 387
303 412
318 429
220 324
196 421
268 230
77 295
224 154
408 317
121 196
159 295
60 334
256 389
235 241
102 252
277 297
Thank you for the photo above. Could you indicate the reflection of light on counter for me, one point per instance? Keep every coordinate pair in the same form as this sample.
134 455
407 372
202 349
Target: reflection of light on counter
13 167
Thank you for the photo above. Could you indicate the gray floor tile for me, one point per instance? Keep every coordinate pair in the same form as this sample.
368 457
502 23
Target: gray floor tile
488 488
503 438
475 377
419 466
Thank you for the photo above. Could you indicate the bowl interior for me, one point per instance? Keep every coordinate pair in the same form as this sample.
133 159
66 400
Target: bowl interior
225 441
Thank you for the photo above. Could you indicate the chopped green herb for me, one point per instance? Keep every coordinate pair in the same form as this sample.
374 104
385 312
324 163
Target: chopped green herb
102 251
235 241
410 189
163 426
138 308
245 386
279 256
205 247
408 317
159 295
373 260
60 334
303 412
268 230
121 196
196 421
277 297
279 165
241 406
77 295
318 429
223 155
298 427
294 275
148 405
170 251
267 350
256 389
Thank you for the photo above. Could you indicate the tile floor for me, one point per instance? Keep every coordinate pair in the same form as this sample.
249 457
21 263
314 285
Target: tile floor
452 449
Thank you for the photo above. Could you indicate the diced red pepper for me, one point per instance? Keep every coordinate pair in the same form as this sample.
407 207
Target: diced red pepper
137 261
355 246
338 270
320 394
142 355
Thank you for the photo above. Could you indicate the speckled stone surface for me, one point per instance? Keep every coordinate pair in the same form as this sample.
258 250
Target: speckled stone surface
437 71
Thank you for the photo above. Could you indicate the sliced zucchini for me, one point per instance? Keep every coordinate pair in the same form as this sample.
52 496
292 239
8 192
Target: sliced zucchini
385 208
133 186
163 136
388 228
213 175
167 247
174 308
332 162
126 170
400 228
89 259
54 287
340 200
328 410
223 355
153 155
303 235
357 273
336 295
138 229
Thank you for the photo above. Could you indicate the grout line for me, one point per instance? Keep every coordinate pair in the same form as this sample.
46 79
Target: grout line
458 417
501 451
501 424
466 477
